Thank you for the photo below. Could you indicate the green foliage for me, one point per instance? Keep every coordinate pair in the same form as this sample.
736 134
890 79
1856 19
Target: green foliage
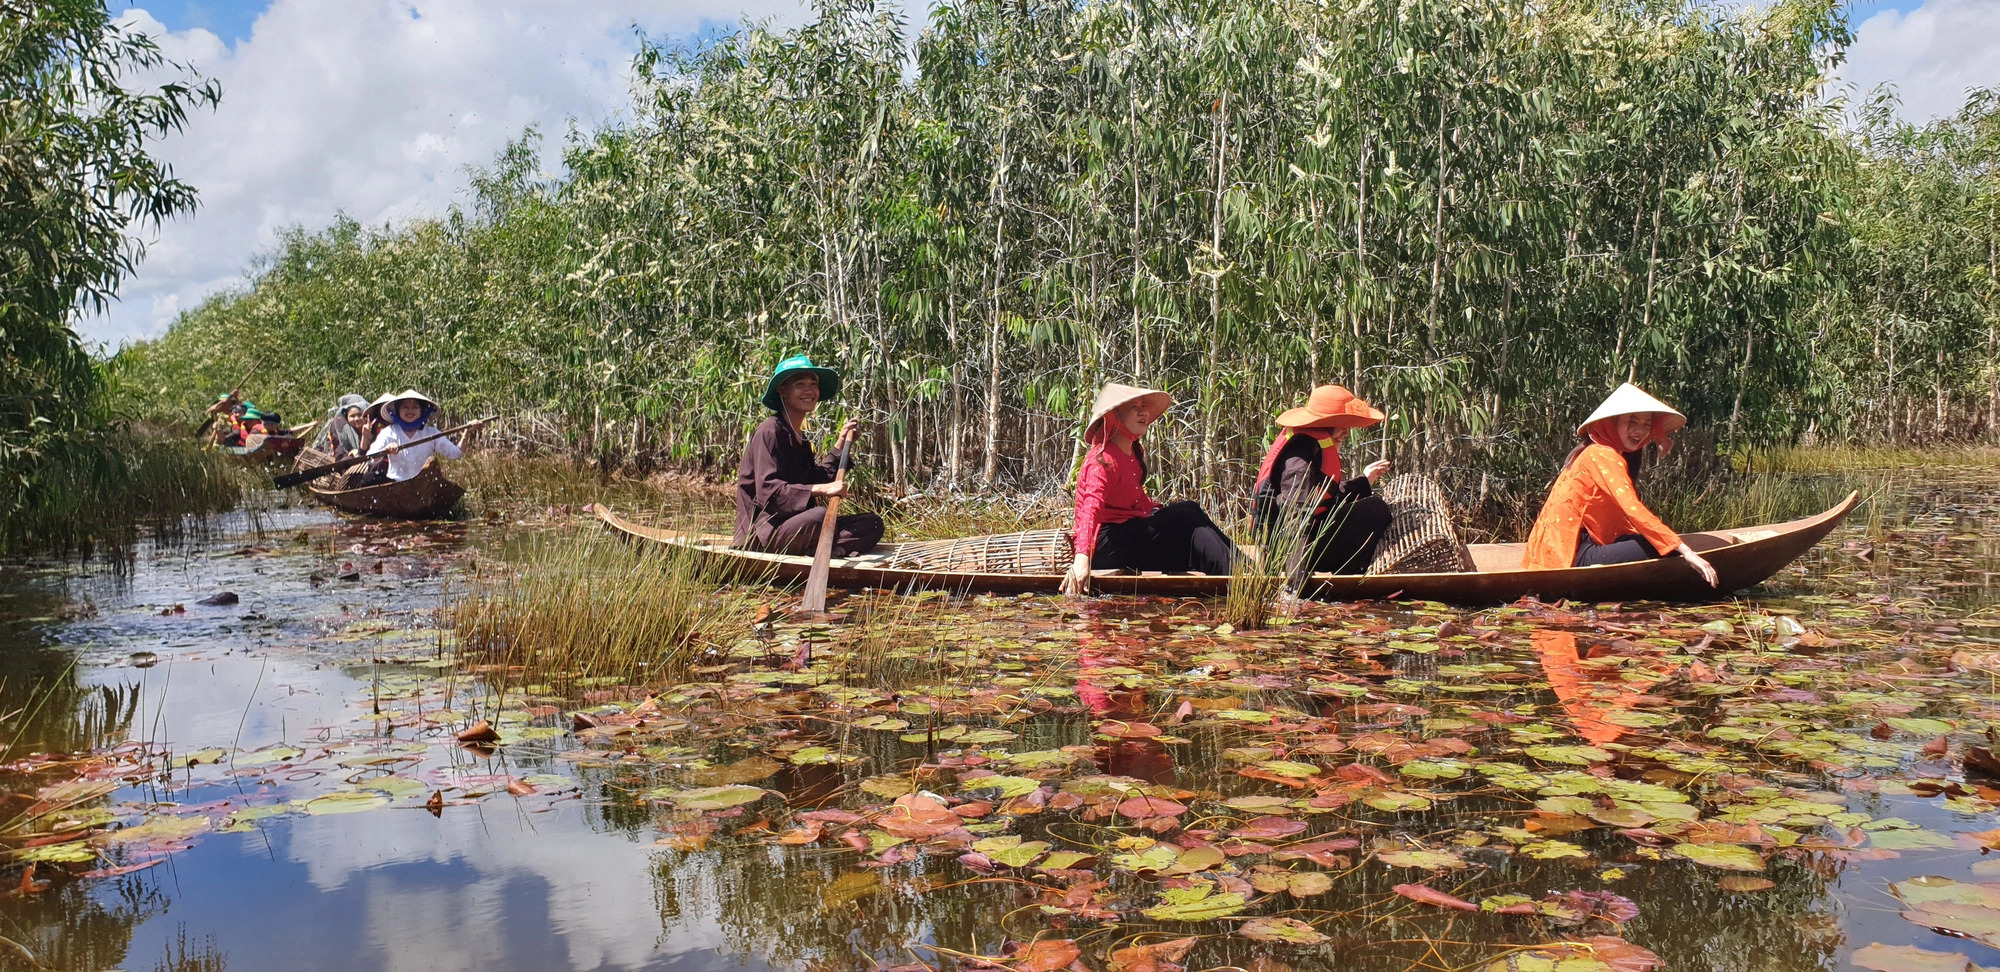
75 180
1481 214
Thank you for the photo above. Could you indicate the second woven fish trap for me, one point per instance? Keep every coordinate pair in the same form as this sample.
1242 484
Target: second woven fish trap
1028 552
1421 539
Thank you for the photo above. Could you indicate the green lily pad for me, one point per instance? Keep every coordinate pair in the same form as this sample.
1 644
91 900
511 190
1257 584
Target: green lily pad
1731 857
1290 931
346 801
1429 860
1572 755
716 797
1007 787
1197 902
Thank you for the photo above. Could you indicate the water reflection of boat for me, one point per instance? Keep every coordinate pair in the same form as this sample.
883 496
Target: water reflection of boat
1742 557
425 496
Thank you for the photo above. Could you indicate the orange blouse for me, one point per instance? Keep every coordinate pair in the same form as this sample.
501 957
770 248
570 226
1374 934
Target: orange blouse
1595 493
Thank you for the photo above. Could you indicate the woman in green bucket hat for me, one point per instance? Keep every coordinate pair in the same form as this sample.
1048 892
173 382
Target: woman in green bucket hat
780 479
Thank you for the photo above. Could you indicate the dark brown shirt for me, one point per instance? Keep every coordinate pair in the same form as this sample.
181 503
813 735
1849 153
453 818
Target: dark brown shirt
775 481
1297 479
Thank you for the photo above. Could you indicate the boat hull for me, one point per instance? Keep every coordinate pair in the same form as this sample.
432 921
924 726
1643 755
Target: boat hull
426 496
1742 558
264 448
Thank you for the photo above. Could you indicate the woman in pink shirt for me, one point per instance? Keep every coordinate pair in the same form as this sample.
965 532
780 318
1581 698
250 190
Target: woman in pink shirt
1117 524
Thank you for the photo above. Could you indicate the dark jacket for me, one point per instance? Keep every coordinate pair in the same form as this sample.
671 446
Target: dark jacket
1296 479
775 481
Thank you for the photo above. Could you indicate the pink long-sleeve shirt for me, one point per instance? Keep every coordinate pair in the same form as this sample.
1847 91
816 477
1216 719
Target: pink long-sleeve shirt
1109 489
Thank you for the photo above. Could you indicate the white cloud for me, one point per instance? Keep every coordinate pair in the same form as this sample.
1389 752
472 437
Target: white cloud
1932 54
374 108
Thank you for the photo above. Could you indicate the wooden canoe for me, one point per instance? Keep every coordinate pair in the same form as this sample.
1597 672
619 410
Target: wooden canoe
1742 558
425 496
265 448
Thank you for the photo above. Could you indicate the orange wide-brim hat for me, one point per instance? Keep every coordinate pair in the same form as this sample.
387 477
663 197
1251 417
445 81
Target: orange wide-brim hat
1331 407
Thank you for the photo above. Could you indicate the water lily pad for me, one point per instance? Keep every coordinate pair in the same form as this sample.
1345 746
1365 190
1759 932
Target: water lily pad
1726 856
1290 931
1060 860
1198 902
270 754
346 801
716 797
742 771
73 852
1429 860
1744 883
1396 802
1011 850
1907 958
1006 787
1572 755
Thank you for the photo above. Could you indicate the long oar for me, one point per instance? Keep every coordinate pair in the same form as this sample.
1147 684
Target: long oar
823 557
203 429
289 480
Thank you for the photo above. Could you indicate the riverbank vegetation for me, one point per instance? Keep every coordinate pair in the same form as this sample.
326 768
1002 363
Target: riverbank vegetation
1480 215
75 158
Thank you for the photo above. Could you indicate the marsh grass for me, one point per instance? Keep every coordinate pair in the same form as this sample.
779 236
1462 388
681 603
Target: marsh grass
1853 458
583 606
99 497
1260 576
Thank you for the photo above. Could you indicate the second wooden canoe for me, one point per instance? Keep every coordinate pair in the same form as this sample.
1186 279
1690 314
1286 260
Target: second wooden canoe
264 448
1742 558
425 496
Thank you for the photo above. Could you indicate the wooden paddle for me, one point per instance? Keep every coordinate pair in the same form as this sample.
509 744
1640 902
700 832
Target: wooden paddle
203 429
291 479
823 557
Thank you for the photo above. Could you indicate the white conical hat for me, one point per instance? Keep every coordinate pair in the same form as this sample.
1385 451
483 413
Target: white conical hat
374 408
1630 399
1115 395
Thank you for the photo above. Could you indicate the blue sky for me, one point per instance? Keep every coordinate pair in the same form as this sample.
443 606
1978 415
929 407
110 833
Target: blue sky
377 108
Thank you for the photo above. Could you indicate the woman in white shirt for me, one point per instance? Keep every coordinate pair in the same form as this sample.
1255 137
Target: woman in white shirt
408 418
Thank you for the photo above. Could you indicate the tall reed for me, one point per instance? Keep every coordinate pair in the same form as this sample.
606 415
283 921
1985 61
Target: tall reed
594 607
1259 575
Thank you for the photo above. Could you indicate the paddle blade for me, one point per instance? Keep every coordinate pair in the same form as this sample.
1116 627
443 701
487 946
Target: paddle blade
815 599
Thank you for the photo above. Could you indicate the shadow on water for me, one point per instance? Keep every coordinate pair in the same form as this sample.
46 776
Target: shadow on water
274 782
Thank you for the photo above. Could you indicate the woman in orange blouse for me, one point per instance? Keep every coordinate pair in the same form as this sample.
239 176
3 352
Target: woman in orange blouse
1593 515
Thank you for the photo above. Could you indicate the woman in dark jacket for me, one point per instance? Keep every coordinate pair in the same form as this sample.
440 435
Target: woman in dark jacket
1300 494
779 478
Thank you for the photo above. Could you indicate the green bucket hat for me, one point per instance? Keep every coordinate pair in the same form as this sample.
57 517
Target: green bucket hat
829 380
250 412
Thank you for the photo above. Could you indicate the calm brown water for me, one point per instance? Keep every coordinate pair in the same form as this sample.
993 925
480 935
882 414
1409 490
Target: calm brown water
247 783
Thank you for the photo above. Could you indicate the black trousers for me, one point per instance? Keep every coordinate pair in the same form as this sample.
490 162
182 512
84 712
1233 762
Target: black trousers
853 533
1176 538
1626 549
1348 535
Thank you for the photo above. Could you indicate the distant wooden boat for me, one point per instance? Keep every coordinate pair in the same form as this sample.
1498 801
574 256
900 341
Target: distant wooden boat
425 496
266 448
1742 558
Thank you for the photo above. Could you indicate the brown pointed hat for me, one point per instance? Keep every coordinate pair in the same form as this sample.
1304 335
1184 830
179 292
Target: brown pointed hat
1630 399
1331 407
1115 395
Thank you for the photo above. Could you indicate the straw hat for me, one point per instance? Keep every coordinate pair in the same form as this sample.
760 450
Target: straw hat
1331 407
381 405
1116 395
1629 399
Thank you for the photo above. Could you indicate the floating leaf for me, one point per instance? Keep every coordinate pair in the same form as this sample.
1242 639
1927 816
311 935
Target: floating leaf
346 801
1046 955
1306 884
742 771
1005 787
1431 896
1572 755
1197 902
1065 859
1908 958
716 797
1429 860
1291 931
1727 856
1269 828
1743 883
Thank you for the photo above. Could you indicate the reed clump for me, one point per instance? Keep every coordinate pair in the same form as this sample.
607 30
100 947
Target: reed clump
949 515
1259 576
99 495
594 607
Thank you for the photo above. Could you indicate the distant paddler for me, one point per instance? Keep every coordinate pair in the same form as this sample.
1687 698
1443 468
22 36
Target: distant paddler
1299 486
780 480
1118 526
1593 515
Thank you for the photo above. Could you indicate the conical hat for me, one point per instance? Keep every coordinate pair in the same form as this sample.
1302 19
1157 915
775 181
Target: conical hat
407 394
1630 399
1115 395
